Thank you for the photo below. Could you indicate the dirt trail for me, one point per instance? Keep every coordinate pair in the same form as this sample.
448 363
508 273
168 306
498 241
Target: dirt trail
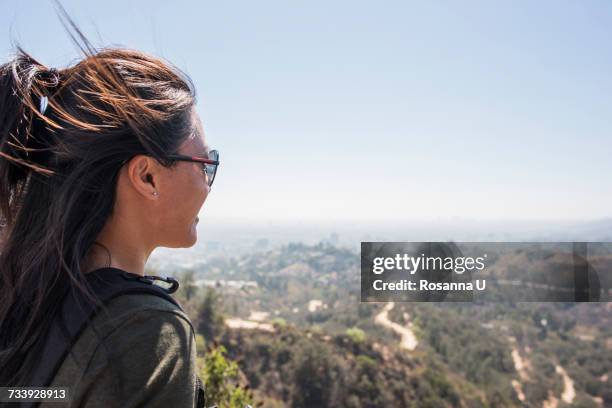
569 393
520 366
551 402
237 323
409 340
519 390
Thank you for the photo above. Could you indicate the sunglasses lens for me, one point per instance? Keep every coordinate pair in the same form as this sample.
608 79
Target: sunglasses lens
211 169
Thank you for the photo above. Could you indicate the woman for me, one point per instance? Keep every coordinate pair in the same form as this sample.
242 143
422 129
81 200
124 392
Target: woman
100 163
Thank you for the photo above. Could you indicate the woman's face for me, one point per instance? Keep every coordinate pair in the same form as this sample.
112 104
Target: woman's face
182 192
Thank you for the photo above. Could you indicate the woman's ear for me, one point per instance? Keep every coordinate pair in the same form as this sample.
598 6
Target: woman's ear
142 174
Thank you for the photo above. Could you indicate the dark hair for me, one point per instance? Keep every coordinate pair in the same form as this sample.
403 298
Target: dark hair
58 173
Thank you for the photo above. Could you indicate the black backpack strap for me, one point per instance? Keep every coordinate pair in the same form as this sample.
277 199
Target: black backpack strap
77 310
200 401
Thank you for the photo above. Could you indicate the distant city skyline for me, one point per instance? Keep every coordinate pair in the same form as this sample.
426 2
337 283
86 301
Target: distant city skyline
388 111
235 238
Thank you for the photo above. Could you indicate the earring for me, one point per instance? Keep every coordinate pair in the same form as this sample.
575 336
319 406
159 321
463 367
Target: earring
155 193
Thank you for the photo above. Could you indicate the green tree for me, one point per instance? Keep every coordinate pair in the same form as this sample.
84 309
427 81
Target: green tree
188 284
313 377
210 318
219 376
356 334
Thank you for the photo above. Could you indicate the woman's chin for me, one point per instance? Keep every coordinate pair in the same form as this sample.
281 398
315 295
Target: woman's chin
187 240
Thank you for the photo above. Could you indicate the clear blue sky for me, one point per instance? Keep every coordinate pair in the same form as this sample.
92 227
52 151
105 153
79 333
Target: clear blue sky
364 111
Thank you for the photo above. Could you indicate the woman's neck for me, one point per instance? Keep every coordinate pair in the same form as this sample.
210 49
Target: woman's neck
118 247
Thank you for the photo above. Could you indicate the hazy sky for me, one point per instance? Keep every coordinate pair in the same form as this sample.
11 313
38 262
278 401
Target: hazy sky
355 110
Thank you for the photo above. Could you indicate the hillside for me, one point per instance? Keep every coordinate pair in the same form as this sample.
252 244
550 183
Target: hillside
301 337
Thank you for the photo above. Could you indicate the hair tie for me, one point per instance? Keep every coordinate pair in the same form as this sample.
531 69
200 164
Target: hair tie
44 102
51 81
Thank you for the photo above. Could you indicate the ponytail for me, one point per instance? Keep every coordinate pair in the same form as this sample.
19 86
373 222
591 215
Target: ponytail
23 82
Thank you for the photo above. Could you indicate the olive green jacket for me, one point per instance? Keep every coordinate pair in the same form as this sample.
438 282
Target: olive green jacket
143 355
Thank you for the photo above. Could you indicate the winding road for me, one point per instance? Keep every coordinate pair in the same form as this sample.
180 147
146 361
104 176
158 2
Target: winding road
409 340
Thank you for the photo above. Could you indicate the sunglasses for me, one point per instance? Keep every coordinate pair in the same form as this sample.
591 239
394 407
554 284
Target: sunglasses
209 165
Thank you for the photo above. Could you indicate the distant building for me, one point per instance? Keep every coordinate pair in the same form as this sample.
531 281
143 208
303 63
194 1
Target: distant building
219 283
